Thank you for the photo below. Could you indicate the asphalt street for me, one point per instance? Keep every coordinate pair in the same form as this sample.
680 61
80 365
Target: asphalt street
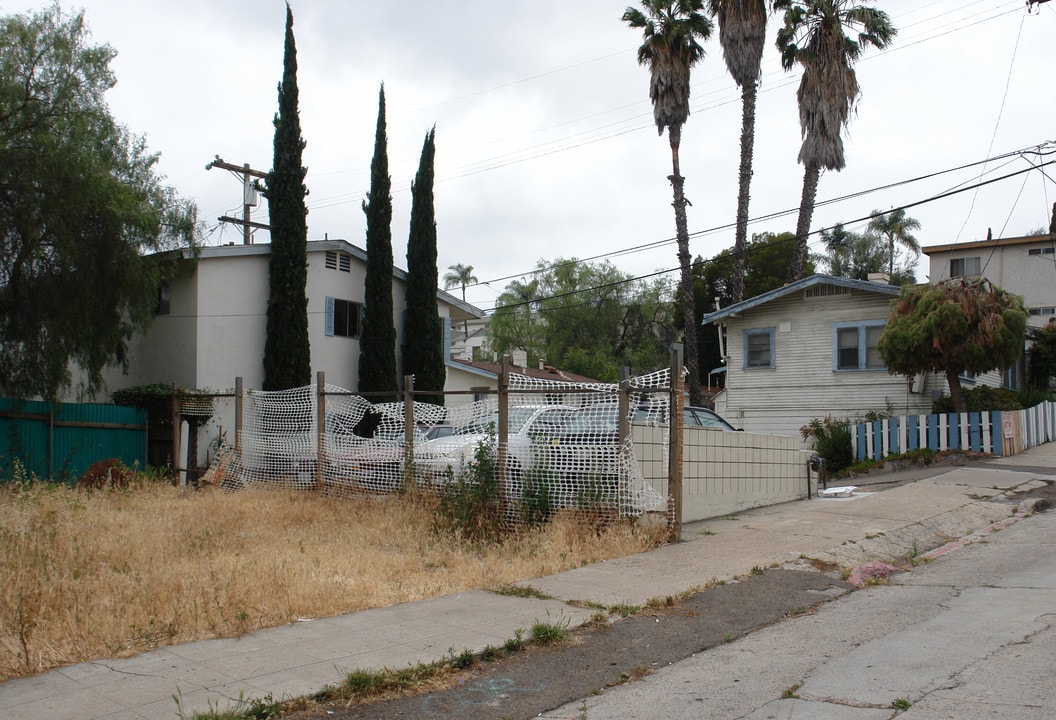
967 635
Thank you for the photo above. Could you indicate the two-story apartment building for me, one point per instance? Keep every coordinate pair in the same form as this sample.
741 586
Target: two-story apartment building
212 319
1024 265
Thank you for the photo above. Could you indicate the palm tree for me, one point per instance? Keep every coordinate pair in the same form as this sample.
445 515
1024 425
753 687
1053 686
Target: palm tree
742 34
460 275
815 37
895 227
670 29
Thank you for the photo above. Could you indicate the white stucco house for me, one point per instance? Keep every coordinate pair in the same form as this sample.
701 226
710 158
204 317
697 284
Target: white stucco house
808 350
1025 266
212 318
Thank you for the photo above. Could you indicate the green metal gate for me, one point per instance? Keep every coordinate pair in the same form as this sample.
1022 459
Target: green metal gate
60 440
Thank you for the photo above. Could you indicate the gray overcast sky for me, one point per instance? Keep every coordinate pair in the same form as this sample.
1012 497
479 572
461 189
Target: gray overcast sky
545 142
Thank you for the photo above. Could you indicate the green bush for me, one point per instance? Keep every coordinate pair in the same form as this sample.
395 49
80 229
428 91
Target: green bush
536 504
980 399
469 502
832 441
1030 396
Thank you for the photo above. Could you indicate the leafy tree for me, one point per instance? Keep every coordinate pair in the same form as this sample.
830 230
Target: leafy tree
287 356
587 318
377 342
767 255
895 227
1042 367
742 34
670 49
423 352
82 210
516 324
856 255
815 36
957 325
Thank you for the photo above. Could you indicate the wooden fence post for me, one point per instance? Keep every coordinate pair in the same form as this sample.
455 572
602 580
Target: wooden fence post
503 429
408 430
238 417
176 433
623 405
674 455
320 431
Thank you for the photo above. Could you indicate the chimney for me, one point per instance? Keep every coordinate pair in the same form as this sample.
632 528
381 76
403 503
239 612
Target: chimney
880 277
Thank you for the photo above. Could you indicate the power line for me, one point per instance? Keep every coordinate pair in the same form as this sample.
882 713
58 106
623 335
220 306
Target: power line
1042 150
700 263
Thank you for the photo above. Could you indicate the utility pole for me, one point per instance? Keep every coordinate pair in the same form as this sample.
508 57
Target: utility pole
249 196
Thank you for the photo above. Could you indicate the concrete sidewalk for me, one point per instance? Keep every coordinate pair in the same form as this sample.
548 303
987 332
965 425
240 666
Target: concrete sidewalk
298 659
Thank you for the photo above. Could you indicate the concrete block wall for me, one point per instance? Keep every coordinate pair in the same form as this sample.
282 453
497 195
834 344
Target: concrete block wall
727 472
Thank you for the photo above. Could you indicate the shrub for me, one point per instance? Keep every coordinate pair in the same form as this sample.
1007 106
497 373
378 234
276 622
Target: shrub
1030 396
832 441
106 473
469 499
980 399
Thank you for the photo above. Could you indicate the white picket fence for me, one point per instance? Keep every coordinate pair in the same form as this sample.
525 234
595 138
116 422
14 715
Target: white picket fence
998 433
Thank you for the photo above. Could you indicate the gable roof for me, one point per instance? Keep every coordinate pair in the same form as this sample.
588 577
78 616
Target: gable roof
801 284
492 370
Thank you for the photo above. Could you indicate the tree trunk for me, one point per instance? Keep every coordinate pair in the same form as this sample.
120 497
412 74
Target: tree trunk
740 248
806 211
689 339
953 379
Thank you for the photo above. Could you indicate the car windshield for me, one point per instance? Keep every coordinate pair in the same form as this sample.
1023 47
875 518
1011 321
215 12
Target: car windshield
519 417
591 420
439 431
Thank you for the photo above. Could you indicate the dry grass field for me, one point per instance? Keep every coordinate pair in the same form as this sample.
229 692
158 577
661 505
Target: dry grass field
112 572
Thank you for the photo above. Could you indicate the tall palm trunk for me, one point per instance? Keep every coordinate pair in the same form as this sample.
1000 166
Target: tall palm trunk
740 248
674 133
806 211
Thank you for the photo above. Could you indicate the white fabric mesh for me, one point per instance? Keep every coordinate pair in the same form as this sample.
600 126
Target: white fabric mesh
563 446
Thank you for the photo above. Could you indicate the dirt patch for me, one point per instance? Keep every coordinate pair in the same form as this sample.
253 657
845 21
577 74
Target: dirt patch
1045 496
529 683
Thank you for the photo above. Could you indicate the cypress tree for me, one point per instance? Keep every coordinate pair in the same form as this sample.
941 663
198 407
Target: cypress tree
377 342
423 354
287 357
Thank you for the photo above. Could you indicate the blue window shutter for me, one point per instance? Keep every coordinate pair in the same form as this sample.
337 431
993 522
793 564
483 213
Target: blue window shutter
329 316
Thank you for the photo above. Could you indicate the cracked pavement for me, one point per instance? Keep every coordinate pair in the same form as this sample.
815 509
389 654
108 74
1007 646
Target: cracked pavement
968 635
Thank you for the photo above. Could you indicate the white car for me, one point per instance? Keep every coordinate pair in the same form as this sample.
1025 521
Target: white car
454 453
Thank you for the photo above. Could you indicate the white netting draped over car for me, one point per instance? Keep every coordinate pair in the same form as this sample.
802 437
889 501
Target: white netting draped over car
563 447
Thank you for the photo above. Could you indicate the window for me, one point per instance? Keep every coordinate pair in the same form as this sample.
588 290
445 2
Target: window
1010 378
1042 251
343 317
338 261
164 293
966 267
1043 311
759 348
854 345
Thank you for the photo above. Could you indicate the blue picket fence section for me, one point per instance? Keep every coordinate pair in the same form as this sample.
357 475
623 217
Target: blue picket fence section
995 433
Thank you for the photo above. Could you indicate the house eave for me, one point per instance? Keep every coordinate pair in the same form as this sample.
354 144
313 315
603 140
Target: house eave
734 310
